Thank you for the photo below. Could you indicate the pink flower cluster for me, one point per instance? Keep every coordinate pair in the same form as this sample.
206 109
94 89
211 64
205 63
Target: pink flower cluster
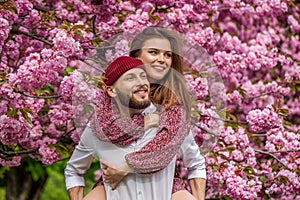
198 86
278 186
15 161
132 23
236 173
12 131
281 139
121 49
263 120
48 154
66 45
4 30
36 71
76 88
81 97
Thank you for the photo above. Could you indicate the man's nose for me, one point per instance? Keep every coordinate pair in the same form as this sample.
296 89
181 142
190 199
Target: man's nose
142 81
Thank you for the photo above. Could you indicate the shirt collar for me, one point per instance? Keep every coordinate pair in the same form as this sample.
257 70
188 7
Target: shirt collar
150 109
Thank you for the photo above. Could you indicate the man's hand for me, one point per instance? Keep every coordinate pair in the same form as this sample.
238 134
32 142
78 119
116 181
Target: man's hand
198 188
113 175
76 193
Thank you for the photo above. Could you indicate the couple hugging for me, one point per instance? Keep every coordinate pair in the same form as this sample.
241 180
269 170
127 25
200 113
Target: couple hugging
141 124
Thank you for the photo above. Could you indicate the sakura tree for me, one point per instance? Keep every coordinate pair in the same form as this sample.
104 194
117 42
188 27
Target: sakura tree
46 47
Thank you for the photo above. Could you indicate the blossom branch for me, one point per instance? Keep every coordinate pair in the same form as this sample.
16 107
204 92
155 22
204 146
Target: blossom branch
270 154
40 97
261 95
259 135
286 151
94 24
16 153
99 69
225 120
39 8
205 130
15 30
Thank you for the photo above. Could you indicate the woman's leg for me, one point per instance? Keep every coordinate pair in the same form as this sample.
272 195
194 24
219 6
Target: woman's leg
97 193
183 195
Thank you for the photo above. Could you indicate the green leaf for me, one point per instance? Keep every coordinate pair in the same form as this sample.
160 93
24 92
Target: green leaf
283 179
242 92
263 179
10 6
48 87
16 89
222 113
215 167
65 25
283 112
79 34
69 69
230 148
249 171
13 112
78 27
28 110
38 92
225 197
25 116
96 41
88 108
61 149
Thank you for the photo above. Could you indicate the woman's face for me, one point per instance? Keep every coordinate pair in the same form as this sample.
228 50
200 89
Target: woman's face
156 54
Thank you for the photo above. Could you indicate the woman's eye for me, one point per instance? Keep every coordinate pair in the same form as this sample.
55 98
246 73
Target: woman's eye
153 52
168 55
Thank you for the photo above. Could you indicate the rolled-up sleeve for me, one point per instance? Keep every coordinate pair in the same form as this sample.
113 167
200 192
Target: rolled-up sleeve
80 160
192 158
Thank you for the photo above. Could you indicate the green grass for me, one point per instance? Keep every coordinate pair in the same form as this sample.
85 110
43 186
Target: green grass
2 193
55 186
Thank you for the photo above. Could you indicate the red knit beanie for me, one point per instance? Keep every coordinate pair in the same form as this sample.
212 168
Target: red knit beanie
119 66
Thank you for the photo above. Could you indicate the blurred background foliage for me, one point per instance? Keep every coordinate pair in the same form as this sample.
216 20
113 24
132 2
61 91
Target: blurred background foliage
55 185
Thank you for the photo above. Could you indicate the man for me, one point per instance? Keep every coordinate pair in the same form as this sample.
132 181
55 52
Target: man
129 89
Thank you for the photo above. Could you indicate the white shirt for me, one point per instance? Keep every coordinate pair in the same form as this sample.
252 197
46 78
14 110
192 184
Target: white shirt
156 186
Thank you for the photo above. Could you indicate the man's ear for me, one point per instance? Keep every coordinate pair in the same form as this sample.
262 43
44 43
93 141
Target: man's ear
111 91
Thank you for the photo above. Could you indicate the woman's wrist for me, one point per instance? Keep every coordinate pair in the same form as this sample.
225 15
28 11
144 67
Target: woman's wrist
127 169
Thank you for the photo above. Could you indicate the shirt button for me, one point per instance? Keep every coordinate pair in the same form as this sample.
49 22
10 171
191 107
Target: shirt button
140 192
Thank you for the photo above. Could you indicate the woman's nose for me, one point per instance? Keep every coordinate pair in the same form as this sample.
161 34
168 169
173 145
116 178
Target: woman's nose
161 57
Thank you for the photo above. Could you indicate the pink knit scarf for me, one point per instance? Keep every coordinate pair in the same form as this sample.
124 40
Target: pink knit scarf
172 129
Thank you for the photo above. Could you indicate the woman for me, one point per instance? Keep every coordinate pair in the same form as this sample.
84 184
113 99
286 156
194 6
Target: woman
159 50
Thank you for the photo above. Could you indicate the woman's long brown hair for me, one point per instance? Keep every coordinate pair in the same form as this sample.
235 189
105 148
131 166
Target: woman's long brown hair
172 88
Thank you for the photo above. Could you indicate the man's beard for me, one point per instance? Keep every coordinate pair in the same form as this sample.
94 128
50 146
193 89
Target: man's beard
131 102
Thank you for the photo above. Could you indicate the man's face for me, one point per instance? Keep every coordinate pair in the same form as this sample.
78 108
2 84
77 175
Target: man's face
132 89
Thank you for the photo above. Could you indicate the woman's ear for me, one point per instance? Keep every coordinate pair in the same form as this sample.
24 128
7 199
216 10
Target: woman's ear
111 91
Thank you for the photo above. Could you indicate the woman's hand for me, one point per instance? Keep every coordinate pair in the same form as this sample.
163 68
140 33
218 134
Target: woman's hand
113 175
151 120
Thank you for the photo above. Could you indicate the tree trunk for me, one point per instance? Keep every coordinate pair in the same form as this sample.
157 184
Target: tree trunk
20 184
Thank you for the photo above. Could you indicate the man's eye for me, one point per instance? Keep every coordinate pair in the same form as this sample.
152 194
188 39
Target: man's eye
144 76
129 78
